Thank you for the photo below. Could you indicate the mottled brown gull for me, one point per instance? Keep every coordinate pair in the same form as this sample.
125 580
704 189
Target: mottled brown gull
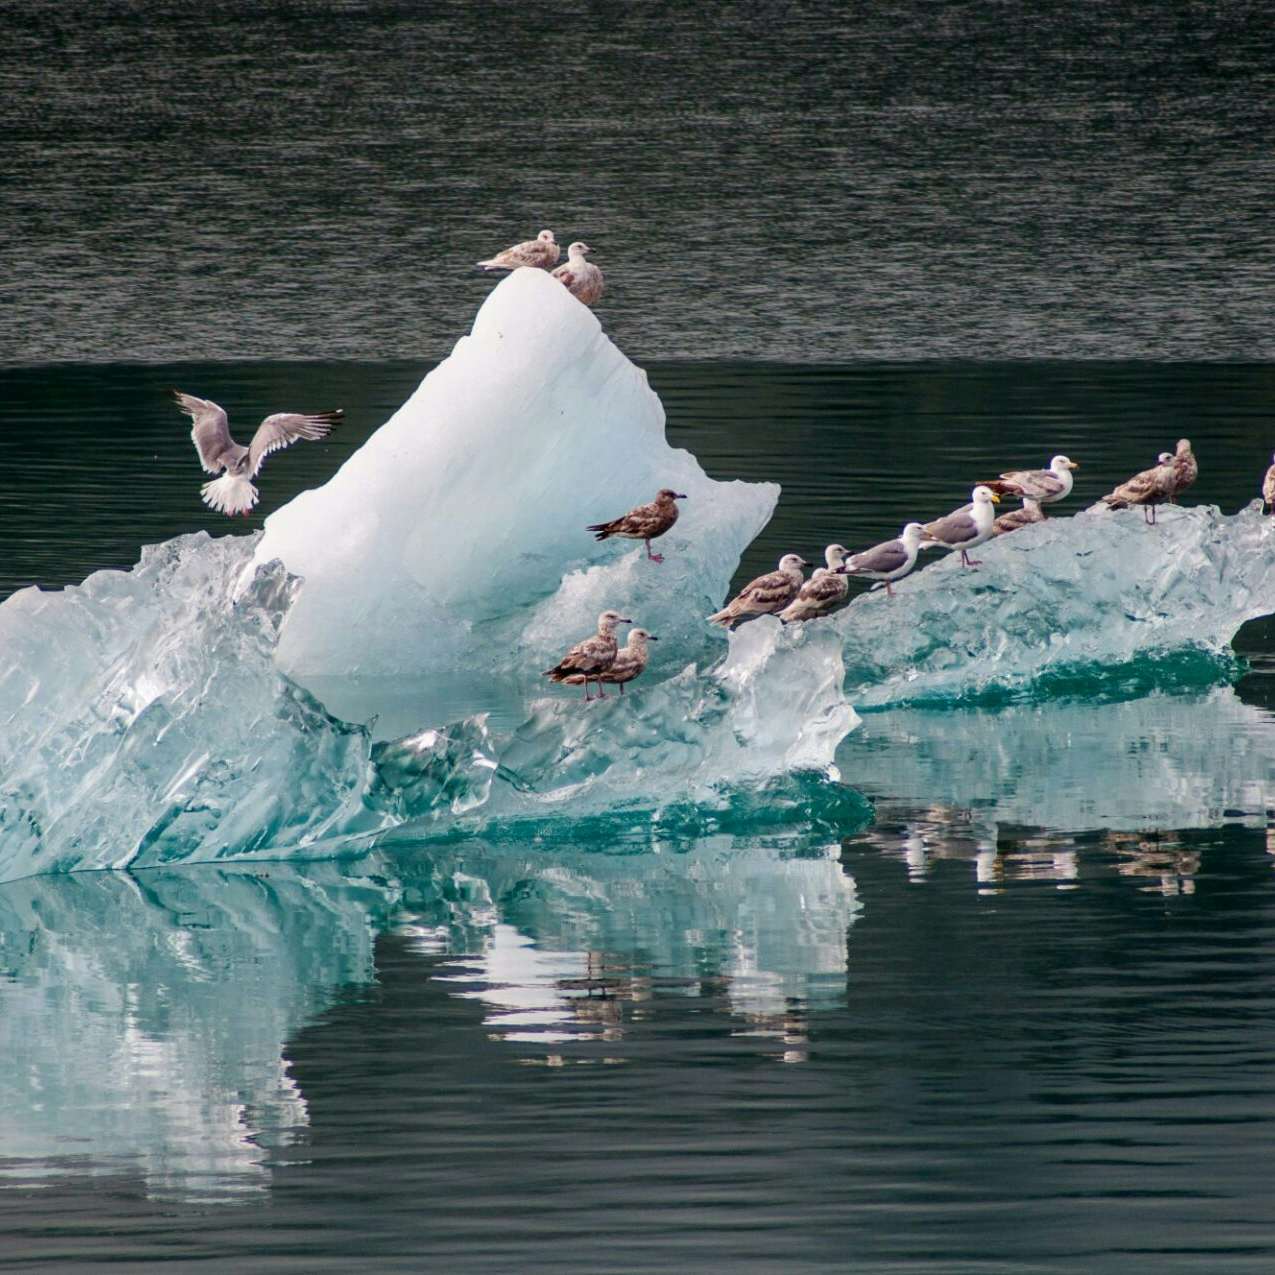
823 593
889 561
1185 467
542 252
1044 485
233 493
1016 519
646 522
629 662
767 595
591 657
1268 488
1149 488
966 527
581 278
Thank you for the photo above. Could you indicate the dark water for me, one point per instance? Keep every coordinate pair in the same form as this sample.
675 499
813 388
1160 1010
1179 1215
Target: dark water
1020 1020
267 179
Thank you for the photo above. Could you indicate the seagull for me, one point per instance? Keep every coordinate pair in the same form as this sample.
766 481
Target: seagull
542 251
1045 485
630 660
581 278
1185 468
766 595
646 522
1149 488
823 592
1268 488
1018 518
591 657
889 561
966 527
233 493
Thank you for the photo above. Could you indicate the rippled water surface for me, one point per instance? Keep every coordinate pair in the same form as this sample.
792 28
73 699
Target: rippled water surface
1016 1018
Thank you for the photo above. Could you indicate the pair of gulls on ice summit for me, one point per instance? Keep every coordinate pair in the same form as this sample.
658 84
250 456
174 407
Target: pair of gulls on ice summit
581 278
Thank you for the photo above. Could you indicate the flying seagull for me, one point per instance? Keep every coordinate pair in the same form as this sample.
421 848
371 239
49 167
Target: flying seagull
1045 485
630 660
823 593
233 493
646 522
966 527
542 251
580 277
766 595
889 561
591 657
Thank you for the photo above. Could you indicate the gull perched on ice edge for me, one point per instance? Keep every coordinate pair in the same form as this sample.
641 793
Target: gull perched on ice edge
542 251
233 493
823 592
889 561
766 595
591 657
966 527
646 522
629 662
581 278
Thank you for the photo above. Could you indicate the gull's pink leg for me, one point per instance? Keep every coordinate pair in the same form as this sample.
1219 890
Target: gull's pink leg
654 557
621 688
968 561
889 592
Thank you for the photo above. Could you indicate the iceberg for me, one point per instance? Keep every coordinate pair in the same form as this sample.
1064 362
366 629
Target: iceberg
1100 602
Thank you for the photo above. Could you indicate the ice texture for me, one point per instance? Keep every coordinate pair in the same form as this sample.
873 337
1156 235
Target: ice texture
1062 603
151 1018
454 539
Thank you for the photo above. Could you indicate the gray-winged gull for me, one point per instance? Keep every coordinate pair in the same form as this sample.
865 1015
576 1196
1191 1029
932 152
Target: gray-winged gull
580 277
1045 485
965 527
646 522
591 657
888 561
541 252
767 595
233 493
630 660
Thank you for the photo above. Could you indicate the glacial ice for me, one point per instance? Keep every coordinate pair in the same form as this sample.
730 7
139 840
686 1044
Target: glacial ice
171 1053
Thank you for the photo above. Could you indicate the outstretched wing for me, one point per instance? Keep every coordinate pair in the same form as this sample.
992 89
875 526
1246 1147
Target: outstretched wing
282 430
211 432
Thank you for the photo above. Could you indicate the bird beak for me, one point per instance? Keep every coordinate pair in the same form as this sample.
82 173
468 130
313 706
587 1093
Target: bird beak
1072 465
623 620
650 637
681 495
996 500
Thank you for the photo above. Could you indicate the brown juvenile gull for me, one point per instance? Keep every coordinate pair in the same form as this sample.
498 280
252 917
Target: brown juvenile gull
965 527
233 493
592 657
630 660
581 278
891 560
646 522
542 252
766 595
1044 485
1149 488
1268 489
1185 468
823 593
1016 518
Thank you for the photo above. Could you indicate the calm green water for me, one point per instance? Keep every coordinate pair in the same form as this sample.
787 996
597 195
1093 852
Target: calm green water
1019 1020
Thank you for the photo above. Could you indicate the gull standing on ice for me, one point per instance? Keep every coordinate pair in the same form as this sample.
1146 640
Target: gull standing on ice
233 493
823 592
889 561
646 522
591 657
766 595
1268 489
1149 488
1044 485
630 660
542 252
1185 468
580 277
1017 518
967 527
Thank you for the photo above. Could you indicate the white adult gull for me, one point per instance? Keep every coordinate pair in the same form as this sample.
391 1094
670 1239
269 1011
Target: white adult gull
591 657
823 593
1044 485
767 595
581 278
888 561
965 528
542 252
233 493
